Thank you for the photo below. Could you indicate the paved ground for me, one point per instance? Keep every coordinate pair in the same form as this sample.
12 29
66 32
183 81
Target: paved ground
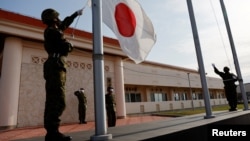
144 128
30 132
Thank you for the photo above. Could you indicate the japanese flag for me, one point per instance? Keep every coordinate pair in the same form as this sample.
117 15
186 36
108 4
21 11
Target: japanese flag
133 28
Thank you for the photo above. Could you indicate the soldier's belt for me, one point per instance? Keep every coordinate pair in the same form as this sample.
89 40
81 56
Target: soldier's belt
55 55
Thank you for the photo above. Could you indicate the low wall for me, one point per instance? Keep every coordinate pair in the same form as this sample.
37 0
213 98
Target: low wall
147 107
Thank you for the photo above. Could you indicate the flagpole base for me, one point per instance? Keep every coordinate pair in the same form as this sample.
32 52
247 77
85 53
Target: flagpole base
209 116
101 137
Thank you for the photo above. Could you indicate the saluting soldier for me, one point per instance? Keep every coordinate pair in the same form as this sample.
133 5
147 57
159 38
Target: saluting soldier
110 107
82 105
57 48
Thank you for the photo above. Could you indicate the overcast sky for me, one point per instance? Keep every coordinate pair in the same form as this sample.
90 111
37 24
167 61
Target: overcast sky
175 44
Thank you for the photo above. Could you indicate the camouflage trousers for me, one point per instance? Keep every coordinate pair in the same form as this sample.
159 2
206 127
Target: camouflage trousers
55 77
111 115
231 95
82 112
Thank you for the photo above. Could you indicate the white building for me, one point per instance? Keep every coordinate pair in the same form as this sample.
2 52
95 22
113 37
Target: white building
139 88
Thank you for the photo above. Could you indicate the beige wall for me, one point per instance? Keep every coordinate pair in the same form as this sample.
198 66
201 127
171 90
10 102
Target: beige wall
156 75
32 88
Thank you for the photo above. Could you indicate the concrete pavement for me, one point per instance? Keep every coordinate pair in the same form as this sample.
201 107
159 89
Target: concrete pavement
162 128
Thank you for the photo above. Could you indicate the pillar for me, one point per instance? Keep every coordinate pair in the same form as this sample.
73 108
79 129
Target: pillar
119 88
10 82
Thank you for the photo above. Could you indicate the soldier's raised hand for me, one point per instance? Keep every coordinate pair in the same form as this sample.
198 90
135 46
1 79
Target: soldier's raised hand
79 12
213 65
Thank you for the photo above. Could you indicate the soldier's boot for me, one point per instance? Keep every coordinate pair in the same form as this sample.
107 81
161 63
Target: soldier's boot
57 137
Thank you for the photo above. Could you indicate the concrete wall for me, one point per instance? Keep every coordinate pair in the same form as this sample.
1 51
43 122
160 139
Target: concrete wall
147 107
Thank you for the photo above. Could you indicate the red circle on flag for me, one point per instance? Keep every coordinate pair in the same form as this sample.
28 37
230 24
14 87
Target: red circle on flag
125 20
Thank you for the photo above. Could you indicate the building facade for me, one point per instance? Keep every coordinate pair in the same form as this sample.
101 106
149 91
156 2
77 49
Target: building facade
139 88
247 90
151 87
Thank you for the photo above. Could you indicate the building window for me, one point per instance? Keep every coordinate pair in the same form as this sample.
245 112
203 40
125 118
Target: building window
200 96
133 97
193 96
212 95
183 96
176 97
248 96
158 97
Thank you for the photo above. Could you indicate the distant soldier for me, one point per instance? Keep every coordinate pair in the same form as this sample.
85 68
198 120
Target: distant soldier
229 80
82 105
54 70
110 107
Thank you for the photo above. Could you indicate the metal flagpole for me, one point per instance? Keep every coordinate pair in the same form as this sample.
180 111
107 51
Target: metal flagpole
236 62
200 61
98 72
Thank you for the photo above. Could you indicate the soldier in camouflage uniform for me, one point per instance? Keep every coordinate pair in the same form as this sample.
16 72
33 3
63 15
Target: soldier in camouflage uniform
110 107
57 48
82 105
229 80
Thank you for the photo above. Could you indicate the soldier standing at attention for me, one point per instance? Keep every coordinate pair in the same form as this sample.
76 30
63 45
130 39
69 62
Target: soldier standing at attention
110 107
54 70
82 105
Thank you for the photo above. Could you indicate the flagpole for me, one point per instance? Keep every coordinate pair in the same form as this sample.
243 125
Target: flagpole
200 61
236 62
98 72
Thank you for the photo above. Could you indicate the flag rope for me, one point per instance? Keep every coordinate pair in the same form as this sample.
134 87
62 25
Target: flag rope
73 31
223 42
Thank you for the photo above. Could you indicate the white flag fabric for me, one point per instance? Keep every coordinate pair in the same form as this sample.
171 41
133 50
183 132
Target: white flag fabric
133 28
